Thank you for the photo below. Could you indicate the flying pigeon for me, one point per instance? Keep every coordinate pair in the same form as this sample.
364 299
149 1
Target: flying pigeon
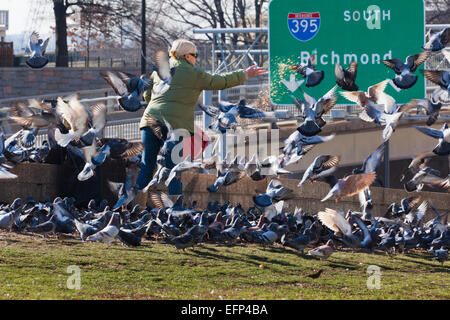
388 117
335 221
313 110
296 141
308 71
184 165
75 118
225 178
405 78
443 136
426 176
439 77
350 185
345 78
322 166
165 73
366 98
429 107
438 41
28 118
275 192
128 87
372 161
125 192
37 48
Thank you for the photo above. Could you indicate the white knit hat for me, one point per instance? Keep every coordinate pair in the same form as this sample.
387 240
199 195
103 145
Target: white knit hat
180 47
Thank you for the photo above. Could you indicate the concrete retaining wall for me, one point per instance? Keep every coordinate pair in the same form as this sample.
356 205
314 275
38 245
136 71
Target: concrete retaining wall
307 197
40 180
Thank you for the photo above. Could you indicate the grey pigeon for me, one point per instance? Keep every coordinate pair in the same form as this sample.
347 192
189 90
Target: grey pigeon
296 141
108 233
430 107
443 136
308 71
125 192
128 87
185 240
313 111
299 243
322 166
439 77
438 41
275 192
184 165
45 227
85 229
4 168
8 219
128 238
37 48
225 178
405 78
426 176
372 161
440 255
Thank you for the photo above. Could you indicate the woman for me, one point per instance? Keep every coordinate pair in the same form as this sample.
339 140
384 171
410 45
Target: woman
176 105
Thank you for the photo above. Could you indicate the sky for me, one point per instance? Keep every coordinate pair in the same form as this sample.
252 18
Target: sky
28 15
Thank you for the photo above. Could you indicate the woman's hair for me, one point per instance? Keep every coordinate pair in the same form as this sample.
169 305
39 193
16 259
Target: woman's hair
180 47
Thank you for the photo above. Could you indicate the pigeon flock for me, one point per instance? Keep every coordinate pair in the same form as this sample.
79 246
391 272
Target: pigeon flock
79 129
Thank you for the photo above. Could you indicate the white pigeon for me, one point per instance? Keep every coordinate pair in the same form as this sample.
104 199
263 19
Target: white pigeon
108 233
335 221
75 117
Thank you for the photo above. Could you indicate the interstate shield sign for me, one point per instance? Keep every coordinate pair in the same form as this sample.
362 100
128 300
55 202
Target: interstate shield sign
304 25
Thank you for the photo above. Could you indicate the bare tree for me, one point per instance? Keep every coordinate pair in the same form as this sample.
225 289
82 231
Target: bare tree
65 8
437 11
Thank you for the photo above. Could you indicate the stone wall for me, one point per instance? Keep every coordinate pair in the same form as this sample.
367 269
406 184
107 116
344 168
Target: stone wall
307 197
17 82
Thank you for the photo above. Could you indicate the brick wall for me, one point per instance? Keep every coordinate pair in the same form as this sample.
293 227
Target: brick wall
18 82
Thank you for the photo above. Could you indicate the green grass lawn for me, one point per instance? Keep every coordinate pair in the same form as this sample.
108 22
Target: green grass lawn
35 268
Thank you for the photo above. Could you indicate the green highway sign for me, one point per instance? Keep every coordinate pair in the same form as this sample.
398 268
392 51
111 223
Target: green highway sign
365 31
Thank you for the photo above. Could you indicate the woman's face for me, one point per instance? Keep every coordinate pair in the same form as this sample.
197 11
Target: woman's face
191 58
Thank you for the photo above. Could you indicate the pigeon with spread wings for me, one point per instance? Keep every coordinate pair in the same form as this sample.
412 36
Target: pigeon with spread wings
443 136
25 116
350 185
405 77
345 78
313 110
439 77
322 166
438 41
37 48
308 71
75 118
128 87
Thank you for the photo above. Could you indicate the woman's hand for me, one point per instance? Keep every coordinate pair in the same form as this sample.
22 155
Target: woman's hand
254 71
